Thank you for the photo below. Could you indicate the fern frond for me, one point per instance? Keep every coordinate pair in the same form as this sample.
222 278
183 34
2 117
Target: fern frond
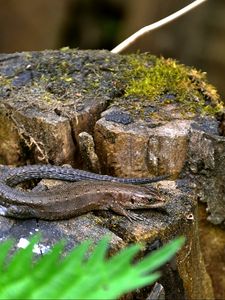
82 274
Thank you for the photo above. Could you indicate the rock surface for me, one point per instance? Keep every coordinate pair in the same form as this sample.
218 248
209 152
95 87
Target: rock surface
207 163
51 100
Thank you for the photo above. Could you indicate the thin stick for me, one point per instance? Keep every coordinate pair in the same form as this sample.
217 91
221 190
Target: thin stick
130 40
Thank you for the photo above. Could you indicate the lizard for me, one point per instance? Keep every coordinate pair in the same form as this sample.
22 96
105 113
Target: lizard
77 198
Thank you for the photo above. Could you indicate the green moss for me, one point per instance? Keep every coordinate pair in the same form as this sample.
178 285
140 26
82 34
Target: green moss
4 81
153 81
47 98
164 81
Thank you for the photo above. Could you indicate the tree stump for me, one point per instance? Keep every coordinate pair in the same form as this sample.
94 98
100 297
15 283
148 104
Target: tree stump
128 116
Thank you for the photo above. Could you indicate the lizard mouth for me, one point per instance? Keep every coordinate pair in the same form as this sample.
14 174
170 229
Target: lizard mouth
142 201
151 195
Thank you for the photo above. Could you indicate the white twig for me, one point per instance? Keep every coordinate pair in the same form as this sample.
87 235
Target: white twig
130 40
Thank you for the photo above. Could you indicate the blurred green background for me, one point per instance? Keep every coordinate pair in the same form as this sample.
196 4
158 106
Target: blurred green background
196 39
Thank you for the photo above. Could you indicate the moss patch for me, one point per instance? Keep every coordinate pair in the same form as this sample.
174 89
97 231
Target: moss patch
161 81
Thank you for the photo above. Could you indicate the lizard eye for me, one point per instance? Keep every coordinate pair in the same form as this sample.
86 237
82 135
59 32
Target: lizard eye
132 200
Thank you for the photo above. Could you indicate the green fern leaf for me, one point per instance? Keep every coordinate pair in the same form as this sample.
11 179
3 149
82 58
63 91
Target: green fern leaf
82 274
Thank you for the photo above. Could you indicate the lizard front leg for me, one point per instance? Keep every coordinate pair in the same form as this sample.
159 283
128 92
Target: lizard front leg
117 208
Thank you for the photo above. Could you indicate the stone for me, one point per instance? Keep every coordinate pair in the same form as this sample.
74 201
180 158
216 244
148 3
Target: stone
135 150
51 100
87 150
206 160
46 102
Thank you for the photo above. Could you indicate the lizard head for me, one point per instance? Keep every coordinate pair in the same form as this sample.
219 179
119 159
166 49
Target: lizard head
144 198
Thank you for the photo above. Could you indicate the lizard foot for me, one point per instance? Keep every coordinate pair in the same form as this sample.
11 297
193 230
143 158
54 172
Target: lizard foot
134 217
